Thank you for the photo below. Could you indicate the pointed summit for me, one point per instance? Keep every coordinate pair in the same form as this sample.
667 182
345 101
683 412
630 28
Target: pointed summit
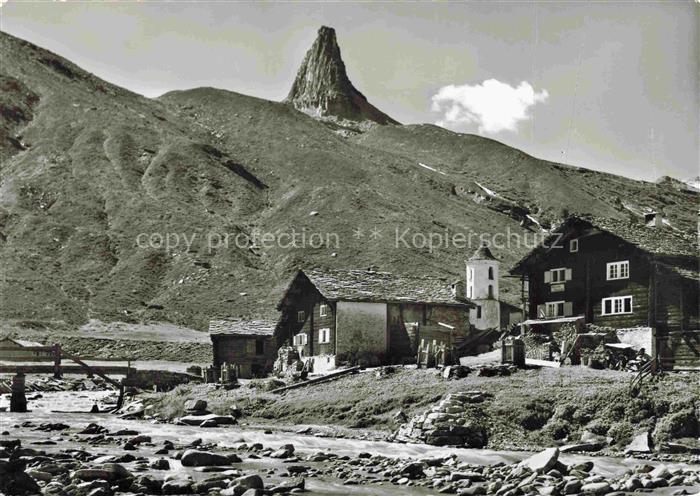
322 88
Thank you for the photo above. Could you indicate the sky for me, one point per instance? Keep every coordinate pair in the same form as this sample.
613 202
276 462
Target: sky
611 86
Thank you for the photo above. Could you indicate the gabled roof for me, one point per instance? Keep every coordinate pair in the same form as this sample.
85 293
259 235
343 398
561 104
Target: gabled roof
375 286
239 327
662 242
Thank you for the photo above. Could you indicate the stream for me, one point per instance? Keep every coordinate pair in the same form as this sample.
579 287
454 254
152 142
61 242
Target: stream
44 411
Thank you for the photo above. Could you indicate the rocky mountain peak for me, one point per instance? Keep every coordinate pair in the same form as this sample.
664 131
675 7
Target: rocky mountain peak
322 87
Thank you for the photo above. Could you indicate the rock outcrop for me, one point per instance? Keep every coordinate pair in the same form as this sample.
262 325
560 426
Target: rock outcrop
322 87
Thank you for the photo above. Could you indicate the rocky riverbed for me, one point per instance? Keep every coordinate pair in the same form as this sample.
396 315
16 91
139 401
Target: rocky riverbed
97 455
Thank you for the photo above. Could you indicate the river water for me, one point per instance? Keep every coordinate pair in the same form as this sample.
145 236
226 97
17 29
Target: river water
44 410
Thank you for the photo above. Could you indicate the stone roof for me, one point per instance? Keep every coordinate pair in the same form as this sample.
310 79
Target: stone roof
239 327
663 242
371 285
482 253
655 240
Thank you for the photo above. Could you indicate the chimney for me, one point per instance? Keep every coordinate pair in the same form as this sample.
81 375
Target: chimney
653 219
458 290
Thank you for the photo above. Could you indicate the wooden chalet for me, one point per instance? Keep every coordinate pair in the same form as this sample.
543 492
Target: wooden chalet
333 317
249 344
616 274
12 349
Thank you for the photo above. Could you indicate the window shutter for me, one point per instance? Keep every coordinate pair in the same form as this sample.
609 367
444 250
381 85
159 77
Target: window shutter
541 312
568 275
568 308
547 276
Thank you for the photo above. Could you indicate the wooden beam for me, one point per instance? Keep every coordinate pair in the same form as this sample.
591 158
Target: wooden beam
319 380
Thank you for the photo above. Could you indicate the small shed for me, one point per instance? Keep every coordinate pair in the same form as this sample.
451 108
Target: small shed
20 350
248 344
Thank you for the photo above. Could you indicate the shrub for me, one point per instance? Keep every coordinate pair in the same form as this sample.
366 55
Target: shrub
566 411
537 414
599 426
621 432
557 429
680 424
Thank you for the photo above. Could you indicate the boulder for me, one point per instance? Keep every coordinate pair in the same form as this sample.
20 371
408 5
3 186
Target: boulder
195 405
141 438
660 472
583 447
39 475
204 486
160 464
242 485
93 429
289 486
177 486
108 471
96 486
640 444
198 419
284 451
572 487
596 488
196 458
14 481
413 470
542 462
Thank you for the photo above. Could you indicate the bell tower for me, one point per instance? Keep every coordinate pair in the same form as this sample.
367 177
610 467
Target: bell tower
482 289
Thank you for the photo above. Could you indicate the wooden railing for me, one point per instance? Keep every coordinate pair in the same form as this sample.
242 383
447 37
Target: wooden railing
646 370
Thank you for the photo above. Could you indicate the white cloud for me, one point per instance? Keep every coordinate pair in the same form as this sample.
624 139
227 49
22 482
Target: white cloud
492 105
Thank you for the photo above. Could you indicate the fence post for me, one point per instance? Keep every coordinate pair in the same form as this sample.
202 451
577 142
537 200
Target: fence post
57 361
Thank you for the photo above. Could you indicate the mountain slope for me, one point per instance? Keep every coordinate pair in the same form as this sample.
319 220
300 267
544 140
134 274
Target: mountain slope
91 173
322 87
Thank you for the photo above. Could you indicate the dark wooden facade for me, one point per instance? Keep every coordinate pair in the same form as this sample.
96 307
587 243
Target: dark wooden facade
663 287
373 326
249 345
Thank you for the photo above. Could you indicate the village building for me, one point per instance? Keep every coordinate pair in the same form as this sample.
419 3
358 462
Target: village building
638 278
249 345
369 317
21 350
482 289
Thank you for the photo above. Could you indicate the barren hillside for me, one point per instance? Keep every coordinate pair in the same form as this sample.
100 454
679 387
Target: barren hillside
87 167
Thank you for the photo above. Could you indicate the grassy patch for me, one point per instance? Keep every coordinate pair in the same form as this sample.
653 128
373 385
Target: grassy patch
531 408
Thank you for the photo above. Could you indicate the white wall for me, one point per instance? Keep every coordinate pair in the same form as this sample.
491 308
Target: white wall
478 280
361 326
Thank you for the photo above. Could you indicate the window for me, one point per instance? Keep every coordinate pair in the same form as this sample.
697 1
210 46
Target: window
554 308
324 335
300 339
259 347
478 311
249 346
470 282
323 310
558 275
490 273
617 305
618 270
301 316
573 245
490 291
